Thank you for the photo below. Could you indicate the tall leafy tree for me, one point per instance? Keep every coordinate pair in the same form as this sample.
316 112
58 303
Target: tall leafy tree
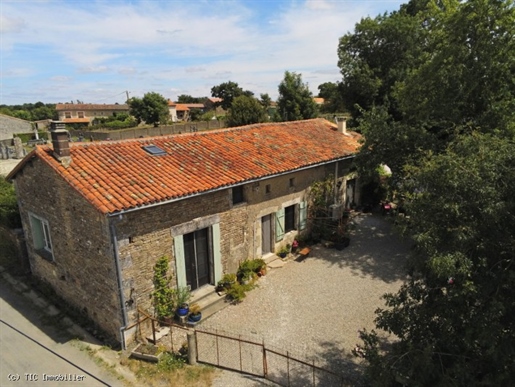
295 101
245 111
185 98
332 93
265 100
454 317
228 91
446 127
152 108
381 52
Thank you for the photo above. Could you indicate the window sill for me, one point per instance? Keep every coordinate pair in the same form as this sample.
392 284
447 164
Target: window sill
46 255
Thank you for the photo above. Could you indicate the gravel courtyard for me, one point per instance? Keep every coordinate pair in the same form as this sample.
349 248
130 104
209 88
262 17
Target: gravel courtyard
314 308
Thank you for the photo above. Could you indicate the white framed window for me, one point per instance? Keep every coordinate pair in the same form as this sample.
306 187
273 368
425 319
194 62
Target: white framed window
67 114
41 236
80 114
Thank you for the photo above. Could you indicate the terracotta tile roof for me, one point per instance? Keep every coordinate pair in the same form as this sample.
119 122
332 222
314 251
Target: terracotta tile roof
120 175
318 100
181 107
90 106
195 105
76 120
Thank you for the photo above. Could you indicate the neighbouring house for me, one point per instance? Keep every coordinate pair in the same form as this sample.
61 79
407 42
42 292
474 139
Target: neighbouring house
97 216
85 113
212 103
319 101
12 125
178 111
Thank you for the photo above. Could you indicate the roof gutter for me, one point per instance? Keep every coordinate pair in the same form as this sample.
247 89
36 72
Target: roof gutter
129 210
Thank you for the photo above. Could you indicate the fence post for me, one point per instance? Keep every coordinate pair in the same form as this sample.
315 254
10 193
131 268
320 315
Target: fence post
192 349
153 332
241 360
288 366
314 382
265 370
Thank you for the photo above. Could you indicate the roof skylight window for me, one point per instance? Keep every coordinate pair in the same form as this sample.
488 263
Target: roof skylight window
154 150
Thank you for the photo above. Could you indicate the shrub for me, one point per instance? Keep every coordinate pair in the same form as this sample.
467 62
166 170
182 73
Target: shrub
237 292
9 213
227 281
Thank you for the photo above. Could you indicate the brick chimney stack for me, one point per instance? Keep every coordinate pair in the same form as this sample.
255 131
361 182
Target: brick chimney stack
60 142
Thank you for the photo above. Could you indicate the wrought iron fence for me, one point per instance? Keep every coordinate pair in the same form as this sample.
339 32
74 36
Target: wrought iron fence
253 357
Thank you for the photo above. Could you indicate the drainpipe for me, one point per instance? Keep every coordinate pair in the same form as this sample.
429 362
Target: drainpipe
119 279
335 182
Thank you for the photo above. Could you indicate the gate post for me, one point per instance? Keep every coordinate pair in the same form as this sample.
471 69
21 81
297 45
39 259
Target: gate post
192 348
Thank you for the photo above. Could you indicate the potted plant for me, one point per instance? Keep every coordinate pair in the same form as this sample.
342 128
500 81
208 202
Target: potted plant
294 246
341 241
227 281
245 271
283 251
182 296
195 313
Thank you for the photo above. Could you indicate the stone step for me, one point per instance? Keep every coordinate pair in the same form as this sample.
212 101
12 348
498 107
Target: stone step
209 301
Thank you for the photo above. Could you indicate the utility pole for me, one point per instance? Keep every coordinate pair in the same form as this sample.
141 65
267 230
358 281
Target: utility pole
126 92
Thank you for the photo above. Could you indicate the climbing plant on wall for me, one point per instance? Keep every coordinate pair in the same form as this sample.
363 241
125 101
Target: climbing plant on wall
163 294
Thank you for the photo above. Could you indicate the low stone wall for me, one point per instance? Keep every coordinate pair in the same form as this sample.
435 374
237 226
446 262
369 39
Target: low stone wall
164 130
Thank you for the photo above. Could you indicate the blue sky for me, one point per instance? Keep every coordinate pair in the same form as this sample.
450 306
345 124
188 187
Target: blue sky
95 51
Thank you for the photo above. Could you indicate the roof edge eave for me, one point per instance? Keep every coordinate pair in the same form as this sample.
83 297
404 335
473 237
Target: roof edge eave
176 199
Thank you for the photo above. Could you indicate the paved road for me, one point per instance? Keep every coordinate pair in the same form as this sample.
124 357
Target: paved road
30 350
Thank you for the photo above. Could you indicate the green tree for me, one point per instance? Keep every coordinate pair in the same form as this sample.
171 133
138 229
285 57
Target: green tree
228 91
464 79
152 108
454 317
265 100
185 98
295 100
245 111
9 213
446 126
381 52
455 75
44 113
332 93
23 114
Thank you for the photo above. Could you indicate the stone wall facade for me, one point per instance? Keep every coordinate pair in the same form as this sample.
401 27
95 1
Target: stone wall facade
11 125
84 265
145 235
82 270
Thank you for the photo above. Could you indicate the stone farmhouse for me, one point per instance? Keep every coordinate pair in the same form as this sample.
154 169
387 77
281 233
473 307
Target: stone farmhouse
97 216
85 113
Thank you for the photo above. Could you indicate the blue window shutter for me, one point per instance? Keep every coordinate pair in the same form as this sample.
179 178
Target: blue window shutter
180 263
303 215
217 254
279 225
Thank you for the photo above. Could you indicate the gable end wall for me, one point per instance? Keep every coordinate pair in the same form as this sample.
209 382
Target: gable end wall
83 272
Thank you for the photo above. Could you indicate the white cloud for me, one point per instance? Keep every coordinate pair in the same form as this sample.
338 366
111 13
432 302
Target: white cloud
180 46
94 69
11 24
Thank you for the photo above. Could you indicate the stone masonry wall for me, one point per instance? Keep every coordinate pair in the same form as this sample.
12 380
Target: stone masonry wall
10 125
144 236
83 271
